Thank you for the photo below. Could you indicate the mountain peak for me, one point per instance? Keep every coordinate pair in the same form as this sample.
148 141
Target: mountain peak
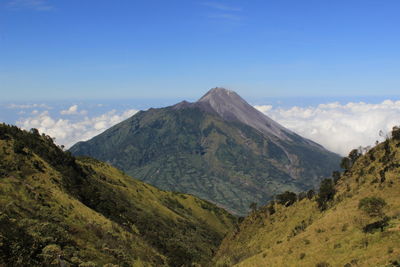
218 94
217 91
230 106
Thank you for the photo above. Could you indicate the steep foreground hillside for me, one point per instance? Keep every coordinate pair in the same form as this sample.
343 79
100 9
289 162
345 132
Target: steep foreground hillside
359 226
219 148
56 209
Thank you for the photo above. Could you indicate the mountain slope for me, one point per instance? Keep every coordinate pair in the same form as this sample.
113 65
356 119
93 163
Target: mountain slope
92 214
231 107
218 148
356 229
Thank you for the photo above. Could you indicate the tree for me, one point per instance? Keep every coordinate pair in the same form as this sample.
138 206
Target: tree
396 133
34 131
287 198
354 155
345 164
19 147
310 194
335 176
348 162
372 206
326 193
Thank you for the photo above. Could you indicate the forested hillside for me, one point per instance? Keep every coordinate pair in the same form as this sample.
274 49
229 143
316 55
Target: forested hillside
57 209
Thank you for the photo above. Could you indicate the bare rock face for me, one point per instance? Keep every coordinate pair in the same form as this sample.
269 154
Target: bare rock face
230 106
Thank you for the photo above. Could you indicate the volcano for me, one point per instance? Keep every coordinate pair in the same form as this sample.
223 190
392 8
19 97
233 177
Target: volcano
218 148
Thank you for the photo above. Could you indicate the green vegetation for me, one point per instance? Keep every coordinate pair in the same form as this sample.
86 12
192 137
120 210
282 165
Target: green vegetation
56 208
192 151
287 198
353 222
347 162
326 193
372 206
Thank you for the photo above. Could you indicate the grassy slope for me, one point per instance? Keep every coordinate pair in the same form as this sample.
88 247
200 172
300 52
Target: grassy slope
301 235
91 213
191 151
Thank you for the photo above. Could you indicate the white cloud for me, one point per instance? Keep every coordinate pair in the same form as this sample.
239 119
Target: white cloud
67 132
338 127
39 5
28 106
264 108
73 110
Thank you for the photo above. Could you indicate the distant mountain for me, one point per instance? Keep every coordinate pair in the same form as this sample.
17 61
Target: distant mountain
58 210
219 148
358 226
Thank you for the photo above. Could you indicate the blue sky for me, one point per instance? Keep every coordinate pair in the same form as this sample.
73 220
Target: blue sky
98 49
328 70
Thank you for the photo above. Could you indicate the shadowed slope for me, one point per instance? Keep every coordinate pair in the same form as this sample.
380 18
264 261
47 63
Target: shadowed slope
91 213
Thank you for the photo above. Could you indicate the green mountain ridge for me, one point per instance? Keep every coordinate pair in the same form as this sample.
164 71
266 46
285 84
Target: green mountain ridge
220 149
57 209
356 222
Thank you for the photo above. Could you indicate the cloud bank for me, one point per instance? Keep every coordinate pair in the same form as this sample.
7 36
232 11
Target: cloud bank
338 127
67 132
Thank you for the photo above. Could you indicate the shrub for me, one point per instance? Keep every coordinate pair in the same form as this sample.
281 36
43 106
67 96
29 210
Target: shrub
301 196
372 206
271 209
264 254
369 228
337 245
322 264
299 228
50 254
